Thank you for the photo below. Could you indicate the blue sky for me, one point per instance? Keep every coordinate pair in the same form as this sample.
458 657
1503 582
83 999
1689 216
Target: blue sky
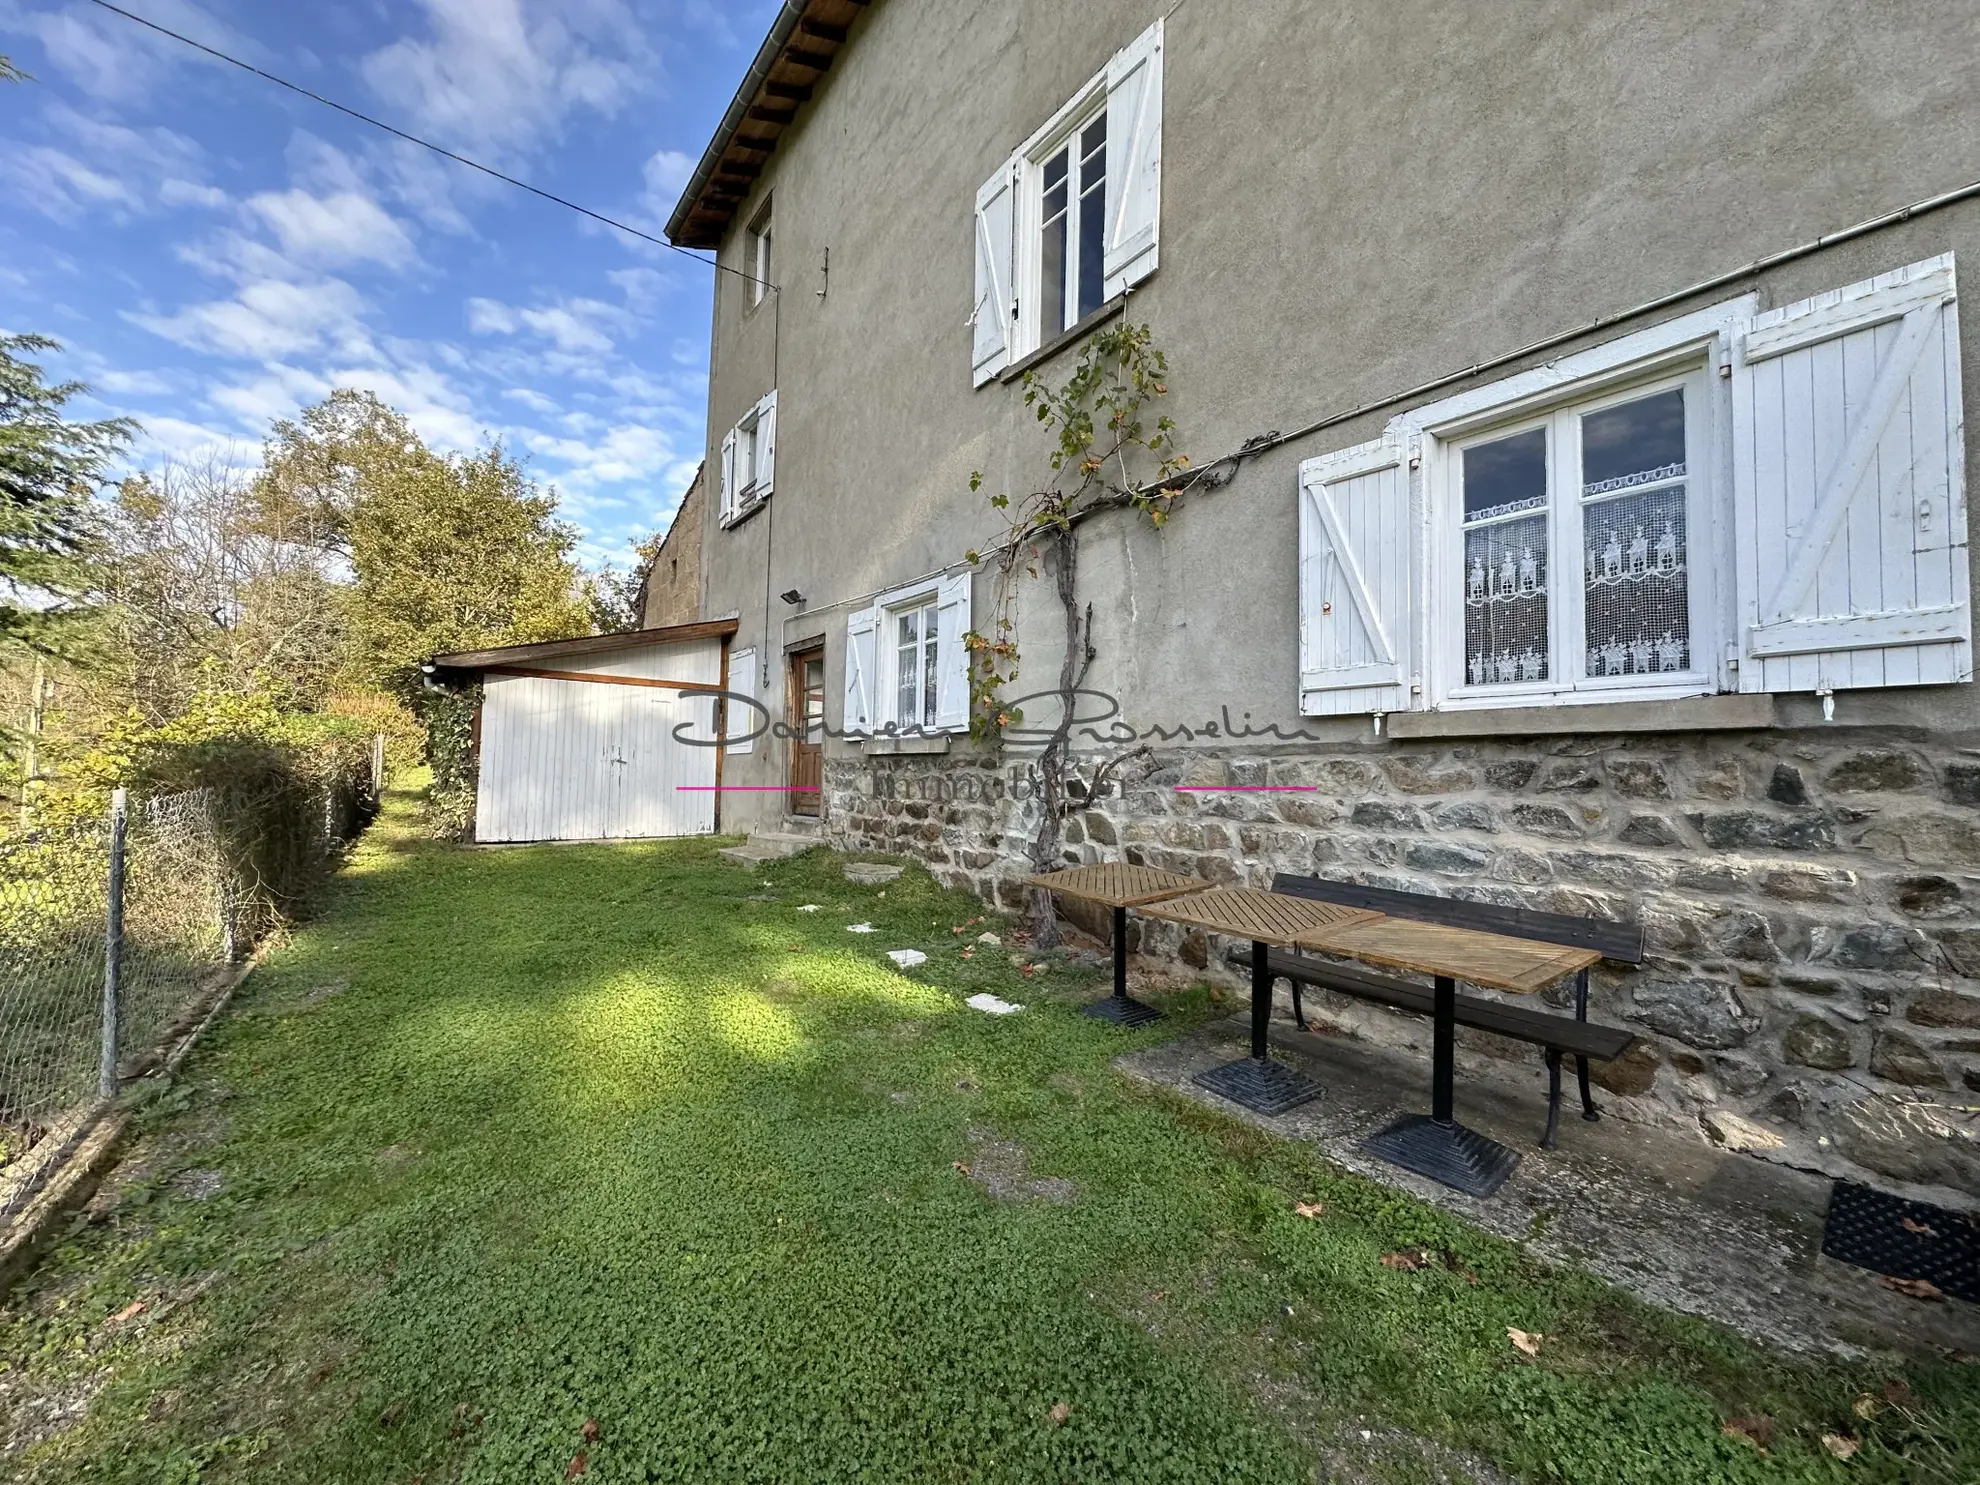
215 252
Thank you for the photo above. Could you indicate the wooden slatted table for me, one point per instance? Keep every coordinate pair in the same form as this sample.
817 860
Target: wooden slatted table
1438 1146
1266 918
1117 885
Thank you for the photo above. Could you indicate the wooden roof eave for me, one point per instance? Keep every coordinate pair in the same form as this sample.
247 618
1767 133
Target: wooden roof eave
462 664
789 66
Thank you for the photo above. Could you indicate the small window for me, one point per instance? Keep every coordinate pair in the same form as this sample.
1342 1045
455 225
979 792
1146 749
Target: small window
749 460
1574 532
916 666
759 264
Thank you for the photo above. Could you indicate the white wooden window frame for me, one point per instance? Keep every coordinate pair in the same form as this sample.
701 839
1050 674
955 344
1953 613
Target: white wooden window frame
1687 352
887 642
1128 90
760 247
1088 104
874 629
748 467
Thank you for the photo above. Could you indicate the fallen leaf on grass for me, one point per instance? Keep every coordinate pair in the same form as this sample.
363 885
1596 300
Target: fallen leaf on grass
968 953
578 1465
1841 1445
1757 1430
1525 1341
1866 1406
1408 1260
1918 1227
1060 1413
1308 1209
589 1433
1916 1288
391 1416
1898 1393
129 1312
809 907
960 1166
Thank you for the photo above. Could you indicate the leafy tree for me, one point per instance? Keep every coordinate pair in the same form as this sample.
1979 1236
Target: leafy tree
10 73
456 553
319 466
617 595
50 468
212 593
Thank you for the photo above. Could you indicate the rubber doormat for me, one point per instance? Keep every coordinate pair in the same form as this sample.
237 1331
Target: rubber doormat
1904 1239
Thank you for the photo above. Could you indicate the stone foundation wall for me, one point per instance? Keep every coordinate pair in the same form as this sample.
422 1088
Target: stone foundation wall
1811 901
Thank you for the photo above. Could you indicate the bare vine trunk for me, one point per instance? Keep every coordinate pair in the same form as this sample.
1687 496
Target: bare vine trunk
1049 843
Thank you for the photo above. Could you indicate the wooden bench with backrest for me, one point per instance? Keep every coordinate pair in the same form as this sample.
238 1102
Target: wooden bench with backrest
1557 1035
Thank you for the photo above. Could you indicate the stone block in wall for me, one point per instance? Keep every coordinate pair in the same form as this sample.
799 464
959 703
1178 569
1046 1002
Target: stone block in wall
1379 814
1963 783
1446 858
1614 869
1516 864
1786 786
1927 896
1512 775
1547 820
1631 1075
1700 1013
1813 1042
1909 1142
1945 1008
1578 777
1807 884
1649 830
1639 778
1926 838
1898 1057
1717 779
1415 774
1750 830
1877 770
1465 814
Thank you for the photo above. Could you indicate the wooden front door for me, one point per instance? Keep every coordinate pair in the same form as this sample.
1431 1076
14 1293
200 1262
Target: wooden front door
807 711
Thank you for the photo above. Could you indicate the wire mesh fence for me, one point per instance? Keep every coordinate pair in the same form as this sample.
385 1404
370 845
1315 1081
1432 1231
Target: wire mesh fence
116 934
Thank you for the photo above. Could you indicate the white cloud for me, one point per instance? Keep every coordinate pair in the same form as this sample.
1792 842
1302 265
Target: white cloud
666 173
113 58
333 231
268 320
534 401
58 184
572 326
498 74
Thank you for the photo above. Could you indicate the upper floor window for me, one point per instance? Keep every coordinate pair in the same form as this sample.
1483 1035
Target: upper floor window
1071 219
749 460
757 245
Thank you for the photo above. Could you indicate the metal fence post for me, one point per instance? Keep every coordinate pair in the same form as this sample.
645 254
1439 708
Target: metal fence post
113 946
377 767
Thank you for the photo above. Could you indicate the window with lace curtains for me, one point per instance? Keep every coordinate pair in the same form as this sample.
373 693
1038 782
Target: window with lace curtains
1574 567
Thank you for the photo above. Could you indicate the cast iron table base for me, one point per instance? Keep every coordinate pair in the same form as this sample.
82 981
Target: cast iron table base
1256 1082
1438 1146
1118 1008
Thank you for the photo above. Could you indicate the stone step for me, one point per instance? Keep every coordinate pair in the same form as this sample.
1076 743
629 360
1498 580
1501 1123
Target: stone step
769 845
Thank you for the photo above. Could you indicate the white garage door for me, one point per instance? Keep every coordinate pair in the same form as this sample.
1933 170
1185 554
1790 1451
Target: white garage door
581 760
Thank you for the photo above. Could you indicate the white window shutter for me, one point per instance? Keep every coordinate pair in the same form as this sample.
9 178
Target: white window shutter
741 720
951 656
728 474
766 443
860 629
1134 161
1354 581
992 320
1848 476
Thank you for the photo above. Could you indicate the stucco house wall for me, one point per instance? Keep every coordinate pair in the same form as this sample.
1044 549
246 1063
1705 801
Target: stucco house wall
1355 200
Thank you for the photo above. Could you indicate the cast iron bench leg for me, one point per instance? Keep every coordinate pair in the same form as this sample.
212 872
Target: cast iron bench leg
1588 1109
1553 1097
1299 1008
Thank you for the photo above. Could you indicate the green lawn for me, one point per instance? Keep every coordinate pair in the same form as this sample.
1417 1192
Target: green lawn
610 1152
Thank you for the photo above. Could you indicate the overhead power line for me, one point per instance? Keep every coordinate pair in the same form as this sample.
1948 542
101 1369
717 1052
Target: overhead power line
426 144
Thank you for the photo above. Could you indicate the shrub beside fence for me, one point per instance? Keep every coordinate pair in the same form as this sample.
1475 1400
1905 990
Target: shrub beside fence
117 933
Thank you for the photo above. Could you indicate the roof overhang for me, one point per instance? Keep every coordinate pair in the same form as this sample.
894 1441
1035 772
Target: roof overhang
463 664
803 40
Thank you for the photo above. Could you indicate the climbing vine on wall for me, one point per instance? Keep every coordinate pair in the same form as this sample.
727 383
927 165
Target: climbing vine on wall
1110 450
